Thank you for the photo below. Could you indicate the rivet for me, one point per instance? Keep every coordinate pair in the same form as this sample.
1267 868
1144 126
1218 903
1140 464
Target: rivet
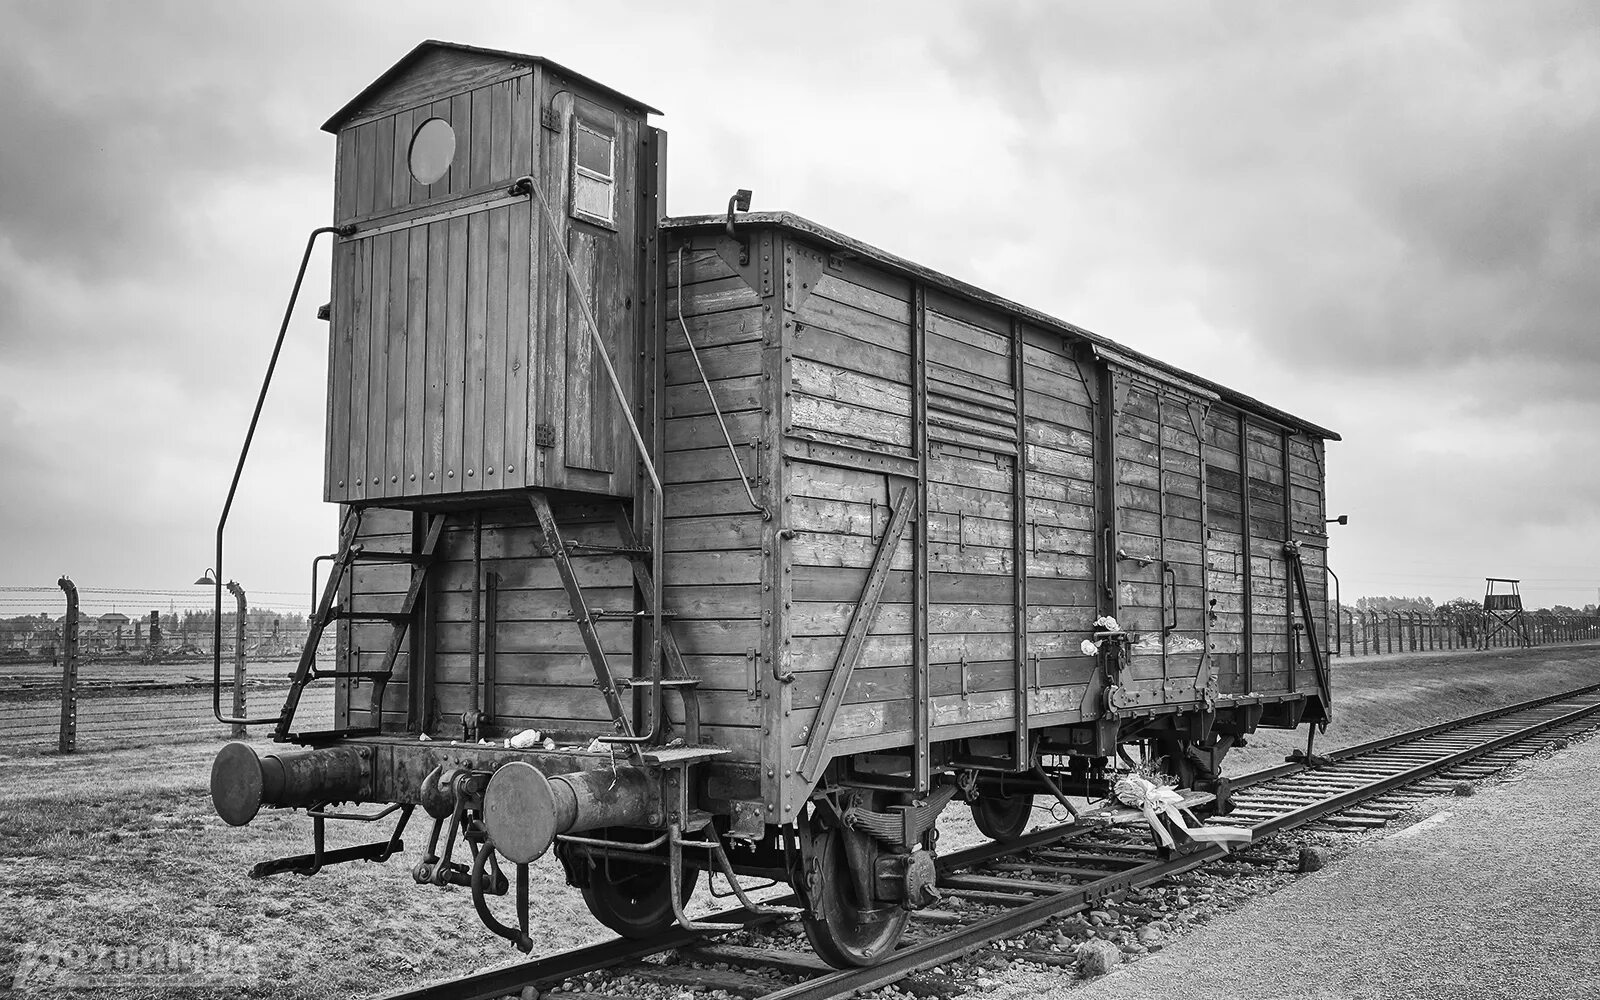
451 474
374 480
341 482
413 477
430 475
469 472
511 468
489 471
394 479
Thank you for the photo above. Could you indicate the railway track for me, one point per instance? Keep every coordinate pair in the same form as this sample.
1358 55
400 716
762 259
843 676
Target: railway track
995 891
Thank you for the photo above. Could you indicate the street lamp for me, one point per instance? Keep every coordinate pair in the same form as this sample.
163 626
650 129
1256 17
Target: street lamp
209 579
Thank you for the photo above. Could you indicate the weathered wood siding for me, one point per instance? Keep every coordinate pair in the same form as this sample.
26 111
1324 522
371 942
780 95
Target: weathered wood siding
542 677
715 541
1059 484
1226 559
1264 486
460 361
849 384
853 446
1160 540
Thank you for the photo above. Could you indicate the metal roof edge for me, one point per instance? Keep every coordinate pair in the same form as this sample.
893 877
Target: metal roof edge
1106 348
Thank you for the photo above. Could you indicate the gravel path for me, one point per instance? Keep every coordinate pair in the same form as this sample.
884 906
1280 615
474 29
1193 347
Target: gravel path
1499 898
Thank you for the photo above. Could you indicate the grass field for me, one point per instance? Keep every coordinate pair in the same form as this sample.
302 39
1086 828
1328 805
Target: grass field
120 849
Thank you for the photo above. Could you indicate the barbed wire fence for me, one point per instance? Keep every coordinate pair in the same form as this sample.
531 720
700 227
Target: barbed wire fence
1372 633
137 668
128 684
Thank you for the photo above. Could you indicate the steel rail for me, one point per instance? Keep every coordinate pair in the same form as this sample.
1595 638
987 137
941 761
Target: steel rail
553 968
942 949
1030 912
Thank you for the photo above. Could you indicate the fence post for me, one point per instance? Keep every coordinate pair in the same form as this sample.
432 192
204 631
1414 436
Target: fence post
238 655
69 669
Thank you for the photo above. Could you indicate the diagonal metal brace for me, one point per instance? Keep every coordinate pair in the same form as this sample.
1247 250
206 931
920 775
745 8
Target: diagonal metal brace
856 636
1291 552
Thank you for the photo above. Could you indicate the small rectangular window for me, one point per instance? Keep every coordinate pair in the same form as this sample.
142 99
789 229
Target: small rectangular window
593 175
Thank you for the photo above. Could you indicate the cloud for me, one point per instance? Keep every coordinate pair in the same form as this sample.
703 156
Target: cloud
1406 185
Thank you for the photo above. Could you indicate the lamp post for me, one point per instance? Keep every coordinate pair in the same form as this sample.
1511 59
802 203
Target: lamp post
210 580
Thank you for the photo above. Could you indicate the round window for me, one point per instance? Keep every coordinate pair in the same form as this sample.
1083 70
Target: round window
433 146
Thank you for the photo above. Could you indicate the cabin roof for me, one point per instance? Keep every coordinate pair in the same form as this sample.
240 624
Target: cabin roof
355 104
1102 346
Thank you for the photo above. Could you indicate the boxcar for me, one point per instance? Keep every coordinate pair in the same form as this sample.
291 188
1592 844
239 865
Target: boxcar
730 543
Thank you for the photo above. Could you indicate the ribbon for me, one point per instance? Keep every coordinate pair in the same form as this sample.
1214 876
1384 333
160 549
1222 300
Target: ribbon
1158 801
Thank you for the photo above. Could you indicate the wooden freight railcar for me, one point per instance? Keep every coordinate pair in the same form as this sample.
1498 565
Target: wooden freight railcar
732 543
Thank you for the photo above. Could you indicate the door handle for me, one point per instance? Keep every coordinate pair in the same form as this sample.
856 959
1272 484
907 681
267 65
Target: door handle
1168 572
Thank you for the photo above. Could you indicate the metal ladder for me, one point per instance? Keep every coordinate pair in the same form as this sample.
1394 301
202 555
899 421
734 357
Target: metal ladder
674 675
350 554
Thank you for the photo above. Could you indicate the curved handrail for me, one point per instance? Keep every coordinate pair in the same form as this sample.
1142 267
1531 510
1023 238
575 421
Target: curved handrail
233 487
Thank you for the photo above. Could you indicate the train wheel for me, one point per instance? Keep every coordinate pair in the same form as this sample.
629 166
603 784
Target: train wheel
632 898
1002 817
850 931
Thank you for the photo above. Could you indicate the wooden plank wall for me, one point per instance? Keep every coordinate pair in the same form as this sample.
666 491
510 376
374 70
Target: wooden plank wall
1269 622
1059 484
494 128
1254 599
972 465
850 383
1308 514
361 645
851 395
593 450
714 539
543 676
1160 529
1225 550
431 357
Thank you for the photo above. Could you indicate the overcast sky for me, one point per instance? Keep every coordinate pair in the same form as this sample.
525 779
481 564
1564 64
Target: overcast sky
1384 217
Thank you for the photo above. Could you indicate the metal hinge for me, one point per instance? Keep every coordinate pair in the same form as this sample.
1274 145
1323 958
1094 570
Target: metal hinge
544 436
550 119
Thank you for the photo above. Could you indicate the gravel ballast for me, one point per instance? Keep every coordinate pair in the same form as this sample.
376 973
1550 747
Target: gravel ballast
1498 900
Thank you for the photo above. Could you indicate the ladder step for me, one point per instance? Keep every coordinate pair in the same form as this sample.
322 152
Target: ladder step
357 555
393 617
666 682
366 675
595 548
595 614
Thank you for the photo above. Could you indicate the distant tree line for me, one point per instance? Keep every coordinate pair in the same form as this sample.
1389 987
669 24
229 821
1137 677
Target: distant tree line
1455 607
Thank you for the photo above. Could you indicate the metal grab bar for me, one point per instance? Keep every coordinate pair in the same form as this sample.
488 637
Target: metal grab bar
526 185
766 515
1172 574
233 487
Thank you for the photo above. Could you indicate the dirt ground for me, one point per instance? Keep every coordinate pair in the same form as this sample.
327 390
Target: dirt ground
118 862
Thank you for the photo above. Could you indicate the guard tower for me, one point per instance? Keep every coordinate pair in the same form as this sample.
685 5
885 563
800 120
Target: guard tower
1502 601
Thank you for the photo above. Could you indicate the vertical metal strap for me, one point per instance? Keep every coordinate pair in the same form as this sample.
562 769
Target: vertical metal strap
920 692
1249 674
1020 549
1288 536
491 642
475 703
1161 527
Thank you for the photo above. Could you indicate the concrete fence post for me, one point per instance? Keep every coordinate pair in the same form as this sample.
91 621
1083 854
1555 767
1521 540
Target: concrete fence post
69 669
238 655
